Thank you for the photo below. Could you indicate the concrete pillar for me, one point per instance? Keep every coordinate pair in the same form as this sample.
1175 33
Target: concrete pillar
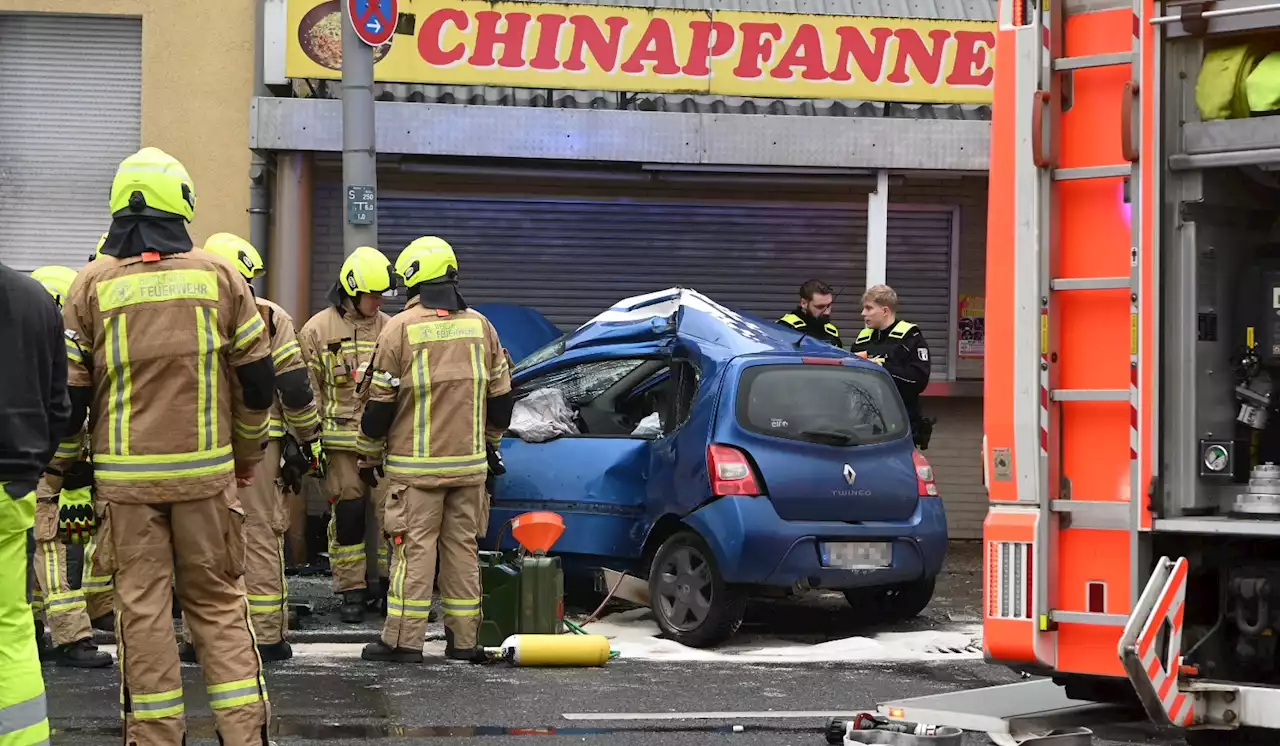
289 260
878 230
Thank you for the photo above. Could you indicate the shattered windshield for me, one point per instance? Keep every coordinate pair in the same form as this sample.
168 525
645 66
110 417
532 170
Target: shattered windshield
541 355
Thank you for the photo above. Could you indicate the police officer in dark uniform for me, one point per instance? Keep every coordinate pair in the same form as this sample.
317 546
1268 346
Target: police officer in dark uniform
813 315
901 348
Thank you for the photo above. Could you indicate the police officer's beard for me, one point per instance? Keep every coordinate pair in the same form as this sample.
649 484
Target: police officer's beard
441 294
131 235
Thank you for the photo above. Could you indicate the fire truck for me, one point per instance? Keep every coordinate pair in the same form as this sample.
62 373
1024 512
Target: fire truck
1132 543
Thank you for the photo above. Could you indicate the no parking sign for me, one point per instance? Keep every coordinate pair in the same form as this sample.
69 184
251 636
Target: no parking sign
374 21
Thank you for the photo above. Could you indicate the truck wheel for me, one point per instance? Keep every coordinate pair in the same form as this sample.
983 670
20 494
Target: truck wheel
892 603
690 600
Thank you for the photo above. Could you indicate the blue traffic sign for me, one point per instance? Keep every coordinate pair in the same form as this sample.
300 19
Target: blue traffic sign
374 21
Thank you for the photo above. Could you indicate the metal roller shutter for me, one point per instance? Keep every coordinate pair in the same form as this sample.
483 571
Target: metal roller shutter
572 258
919 269
70 111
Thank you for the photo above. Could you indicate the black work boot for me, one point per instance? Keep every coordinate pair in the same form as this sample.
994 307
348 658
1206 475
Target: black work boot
380 651
352 611
276 651
47 653
82 654
454 653
106 622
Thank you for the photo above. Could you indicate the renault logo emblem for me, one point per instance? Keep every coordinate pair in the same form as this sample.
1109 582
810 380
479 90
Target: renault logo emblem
849 474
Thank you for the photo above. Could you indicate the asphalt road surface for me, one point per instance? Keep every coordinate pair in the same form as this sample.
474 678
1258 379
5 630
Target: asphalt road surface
326 695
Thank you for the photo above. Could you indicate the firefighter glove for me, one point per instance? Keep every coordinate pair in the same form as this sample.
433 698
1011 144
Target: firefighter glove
296 464
367 475
494 457
76 518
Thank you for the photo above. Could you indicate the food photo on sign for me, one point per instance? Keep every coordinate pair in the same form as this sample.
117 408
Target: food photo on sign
320 36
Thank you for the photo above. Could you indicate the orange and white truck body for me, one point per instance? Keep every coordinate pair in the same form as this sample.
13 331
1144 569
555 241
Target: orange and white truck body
1117 226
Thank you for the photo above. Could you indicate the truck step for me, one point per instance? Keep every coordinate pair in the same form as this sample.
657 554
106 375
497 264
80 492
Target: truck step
1089 395
1090 283
1091 172
1024 709
1092 61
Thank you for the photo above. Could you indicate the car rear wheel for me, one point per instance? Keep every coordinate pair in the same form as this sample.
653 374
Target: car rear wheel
690 600
892 603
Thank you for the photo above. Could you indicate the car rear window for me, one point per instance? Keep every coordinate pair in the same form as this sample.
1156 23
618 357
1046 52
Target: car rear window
826 404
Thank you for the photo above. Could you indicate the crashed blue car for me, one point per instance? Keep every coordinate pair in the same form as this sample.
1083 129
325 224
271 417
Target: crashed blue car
720 456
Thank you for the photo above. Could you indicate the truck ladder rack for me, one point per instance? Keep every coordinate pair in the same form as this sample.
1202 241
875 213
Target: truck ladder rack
1092 60
1091 395
1092 283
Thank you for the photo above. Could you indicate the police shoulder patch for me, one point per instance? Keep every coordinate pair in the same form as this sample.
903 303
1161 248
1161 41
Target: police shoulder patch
923 353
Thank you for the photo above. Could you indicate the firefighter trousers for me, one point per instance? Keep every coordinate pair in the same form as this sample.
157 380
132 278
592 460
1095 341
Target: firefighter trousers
349 496
96 583
202 543
419 522
264 526
23 720
64 607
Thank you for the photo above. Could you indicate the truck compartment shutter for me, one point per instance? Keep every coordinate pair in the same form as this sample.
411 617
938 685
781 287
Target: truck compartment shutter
70 111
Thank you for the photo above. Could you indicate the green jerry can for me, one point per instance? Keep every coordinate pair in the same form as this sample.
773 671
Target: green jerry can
523 591
520 595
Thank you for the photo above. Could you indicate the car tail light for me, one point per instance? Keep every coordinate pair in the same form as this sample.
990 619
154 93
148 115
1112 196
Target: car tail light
924 475
822 361
731 472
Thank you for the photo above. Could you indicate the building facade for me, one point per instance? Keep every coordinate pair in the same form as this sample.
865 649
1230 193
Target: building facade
573 154
549 145
86 83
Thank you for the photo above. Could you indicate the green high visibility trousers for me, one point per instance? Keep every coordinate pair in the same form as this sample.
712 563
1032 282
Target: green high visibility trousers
23 720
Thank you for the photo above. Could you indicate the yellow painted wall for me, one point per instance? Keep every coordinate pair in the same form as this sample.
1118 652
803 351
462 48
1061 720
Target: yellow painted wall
197 83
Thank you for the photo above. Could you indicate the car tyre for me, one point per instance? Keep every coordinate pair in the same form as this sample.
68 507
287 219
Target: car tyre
892 603
689 598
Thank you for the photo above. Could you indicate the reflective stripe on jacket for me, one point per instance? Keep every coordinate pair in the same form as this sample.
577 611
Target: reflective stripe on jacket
166 420
286 357
440 369
337 347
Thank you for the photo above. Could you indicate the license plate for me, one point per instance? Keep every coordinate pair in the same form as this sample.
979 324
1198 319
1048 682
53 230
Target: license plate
856 555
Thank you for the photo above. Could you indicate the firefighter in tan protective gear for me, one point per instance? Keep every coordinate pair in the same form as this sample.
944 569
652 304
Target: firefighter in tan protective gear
66 489
173 365
338 345
96 583
293 416
440 380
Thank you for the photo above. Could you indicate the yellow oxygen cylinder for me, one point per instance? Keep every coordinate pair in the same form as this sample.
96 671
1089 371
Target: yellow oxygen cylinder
556 650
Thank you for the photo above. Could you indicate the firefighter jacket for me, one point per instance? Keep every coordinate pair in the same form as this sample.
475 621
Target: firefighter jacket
434 375
175 362
825 331
903 352
337 345
294 407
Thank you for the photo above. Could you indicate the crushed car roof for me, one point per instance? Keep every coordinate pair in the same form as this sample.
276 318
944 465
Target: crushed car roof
717 331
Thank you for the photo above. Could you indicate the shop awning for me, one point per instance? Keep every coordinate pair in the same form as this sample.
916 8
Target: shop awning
711 139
